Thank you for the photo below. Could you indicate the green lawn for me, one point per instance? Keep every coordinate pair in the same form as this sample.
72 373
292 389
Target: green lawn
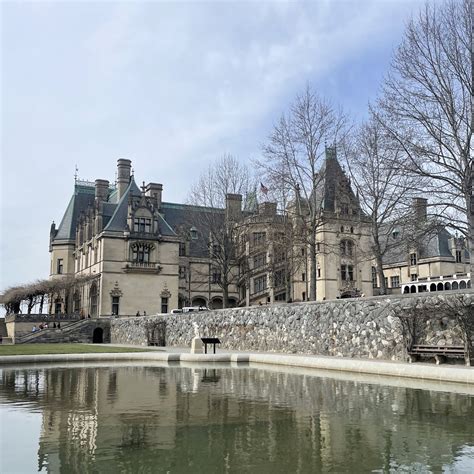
33 349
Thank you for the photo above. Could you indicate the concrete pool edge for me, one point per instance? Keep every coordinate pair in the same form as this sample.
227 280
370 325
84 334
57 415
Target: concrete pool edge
443 373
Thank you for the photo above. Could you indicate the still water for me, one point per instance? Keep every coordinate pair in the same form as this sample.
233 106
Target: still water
118 419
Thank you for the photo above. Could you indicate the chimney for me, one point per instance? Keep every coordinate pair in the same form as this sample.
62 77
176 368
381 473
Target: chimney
154 190
267 208
123 176
420 207
233 207
101 190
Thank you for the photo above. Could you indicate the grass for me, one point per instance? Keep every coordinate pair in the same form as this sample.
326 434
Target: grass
34 349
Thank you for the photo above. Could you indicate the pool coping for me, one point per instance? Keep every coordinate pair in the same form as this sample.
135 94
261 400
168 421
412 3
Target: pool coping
421 371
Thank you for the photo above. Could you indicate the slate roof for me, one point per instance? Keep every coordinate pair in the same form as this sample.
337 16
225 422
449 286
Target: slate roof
118 221
183 217
434 243
334 185
82 198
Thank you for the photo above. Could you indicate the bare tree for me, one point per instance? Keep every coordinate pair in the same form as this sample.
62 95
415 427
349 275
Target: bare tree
226 176
293 160
384 188
427 107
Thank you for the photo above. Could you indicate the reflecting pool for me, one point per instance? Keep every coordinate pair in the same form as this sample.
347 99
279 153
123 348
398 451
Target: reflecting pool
221 419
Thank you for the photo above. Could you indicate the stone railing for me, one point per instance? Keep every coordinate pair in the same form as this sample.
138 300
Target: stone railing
26 318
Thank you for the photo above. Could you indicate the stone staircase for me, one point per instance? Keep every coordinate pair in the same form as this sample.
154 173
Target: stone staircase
82 331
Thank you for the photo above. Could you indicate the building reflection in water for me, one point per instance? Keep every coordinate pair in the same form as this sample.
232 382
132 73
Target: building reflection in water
131 419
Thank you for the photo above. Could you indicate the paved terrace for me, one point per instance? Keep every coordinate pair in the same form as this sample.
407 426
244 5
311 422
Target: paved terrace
416 371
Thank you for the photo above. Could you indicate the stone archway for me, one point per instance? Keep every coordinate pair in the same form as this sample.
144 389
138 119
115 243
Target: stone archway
199 301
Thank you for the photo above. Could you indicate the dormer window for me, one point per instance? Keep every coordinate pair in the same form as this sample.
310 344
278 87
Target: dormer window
413 259
142 224
395 234
194 233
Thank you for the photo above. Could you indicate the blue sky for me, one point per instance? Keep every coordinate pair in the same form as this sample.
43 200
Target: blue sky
169 85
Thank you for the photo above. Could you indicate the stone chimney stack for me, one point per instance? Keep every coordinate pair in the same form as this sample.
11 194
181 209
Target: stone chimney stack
233 207
267 209
420 206
123 176
101 190
154 190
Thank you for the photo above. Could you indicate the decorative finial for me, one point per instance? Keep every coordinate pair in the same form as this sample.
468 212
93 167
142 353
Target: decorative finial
75 174
143 187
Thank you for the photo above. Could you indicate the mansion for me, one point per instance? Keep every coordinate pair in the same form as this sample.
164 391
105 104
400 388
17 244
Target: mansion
143 255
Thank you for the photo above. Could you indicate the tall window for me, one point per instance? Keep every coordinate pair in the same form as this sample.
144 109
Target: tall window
142 224
414 276
413 259
347 273
347 248
395 281
259 260
216 277
458 256
115 305
258 238
164 304
182 249
374 277
260 284
279 278
60 266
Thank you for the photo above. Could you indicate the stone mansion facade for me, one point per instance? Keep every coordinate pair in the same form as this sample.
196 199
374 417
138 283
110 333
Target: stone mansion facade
144 255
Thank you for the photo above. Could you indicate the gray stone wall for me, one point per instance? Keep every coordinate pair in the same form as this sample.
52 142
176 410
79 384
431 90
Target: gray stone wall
363 328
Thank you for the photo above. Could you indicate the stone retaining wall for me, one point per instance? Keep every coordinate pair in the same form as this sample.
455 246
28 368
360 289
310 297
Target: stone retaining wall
363 328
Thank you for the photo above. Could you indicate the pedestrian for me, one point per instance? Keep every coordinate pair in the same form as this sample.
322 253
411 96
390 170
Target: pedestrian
34 329
144 313
59 325
138 313
54 325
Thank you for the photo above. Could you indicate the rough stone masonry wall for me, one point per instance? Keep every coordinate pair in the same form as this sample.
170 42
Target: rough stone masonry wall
364 327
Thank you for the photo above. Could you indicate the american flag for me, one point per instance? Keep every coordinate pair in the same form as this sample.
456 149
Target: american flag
263 189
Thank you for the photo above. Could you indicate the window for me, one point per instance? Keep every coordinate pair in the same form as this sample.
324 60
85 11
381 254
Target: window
260 284
302 252
280 297
182 249
142 224
347 248
386 282
115 305
458 256
258 238
347 273
216 250
374 277
194 233
259 260
140 253
319 273
344 209
279 278
164 304
342 228
216 276
352 230
303 277
279 256
57 306
318 246
413 259
414 276
395 234
395 281
303 296
60 266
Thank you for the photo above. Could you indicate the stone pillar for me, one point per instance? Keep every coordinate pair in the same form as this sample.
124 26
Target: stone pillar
155 191
233 207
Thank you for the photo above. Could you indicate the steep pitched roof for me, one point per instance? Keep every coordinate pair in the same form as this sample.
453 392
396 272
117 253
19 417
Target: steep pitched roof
82 198
183 217
118 220
335 186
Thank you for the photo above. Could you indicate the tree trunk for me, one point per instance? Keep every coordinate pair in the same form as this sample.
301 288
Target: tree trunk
225 294
383 286
470 233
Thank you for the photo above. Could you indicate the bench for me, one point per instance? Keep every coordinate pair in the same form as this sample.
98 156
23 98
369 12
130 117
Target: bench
210 340
440 353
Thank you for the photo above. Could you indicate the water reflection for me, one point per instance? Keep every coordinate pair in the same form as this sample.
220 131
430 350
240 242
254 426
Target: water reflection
160 419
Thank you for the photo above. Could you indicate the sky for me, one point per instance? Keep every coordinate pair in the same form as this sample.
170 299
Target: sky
170 85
